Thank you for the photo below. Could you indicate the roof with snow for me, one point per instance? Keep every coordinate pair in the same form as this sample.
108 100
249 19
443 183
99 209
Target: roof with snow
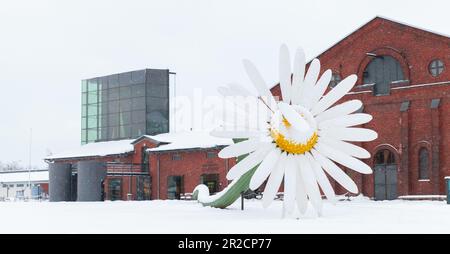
187 140
24 176
96 149
166 142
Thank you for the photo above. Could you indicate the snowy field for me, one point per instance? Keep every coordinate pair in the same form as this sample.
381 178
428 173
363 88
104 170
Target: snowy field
357 216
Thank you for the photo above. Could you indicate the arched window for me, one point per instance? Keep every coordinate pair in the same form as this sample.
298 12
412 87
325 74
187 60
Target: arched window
335 79
423 163
381 72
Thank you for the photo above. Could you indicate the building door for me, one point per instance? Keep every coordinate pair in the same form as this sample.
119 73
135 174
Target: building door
115 189
212 181
143 188
175 187
385 174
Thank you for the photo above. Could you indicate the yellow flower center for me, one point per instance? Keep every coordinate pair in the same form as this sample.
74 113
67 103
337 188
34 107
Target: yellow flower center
291 146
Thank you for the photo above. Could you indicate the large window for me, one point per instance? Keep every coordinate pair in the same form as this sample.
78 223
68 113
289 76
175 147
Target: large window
423 163
115 189
175 187
381 72
212 181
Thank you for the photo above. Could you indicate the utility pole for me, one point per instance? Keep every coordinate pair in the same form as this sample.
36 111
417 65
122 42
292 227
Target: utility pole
29 161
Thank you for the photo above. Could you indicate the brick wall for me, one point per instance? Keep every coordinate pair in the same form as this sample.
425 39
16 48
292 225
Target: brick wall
403 133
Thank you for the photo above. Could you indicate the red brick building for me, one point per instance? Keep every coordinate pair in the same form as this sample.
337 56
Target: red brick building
404 83
164 166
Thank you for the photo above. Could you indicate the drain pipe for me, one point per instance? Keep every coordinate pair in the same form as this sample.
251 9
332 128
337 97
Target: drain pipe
158 174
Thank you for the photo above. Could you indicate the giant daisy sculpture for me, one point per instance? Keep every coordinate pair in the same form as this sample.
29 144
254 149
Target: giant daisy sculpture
305 136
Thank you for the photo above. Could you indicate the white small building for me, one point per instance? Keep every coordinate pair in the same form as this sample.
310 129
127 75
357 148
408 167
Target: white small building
15 185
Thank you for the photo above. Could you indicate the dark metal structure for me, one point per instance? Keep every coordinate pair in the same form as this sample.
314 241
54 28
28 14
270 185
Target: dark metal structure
90 177
60 181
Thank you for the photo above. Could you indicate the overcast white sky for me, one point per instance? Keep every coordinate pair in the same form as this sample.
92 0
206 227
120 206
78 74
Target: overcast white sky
47 47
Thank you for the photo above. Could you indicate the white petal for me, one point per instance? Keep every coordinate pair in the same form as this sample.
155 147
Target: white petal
289 183
320 88
348 148
343 159
335 94
311 187
274 182
285 74
298 75
322 179
301 197
293 117
222 132
264 169
309 82
346 121
335 172
249 162
240 148
342 109
349 134
259 83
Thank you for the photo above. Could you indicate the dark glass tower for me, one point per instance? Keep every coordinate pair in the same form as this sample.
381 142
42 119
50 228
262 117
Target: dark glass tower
125 105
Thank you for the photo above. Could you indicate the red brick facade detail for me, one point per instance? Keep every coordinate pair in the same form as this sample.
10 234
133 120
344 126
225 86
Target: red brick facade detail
403 133
192 165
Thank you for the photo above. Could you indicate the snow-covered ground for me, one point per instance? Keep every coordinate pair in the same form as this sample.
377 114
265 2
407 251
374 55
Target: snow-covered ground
357 216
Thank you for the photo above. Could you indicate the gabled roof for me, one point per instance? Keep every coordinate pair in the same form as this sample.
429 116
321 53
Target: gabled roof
375 19
384 19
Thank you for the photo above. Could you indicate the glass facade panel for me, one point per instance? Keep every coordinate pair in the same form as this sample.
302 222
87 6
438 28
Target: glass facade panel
138 90
125 131
113 81
92 97
103 121
92 122
103 83
83 111
113 119
91 135
138 116
137 130
92 85
125 105
83 98
113 107
83 123
138 77
125 92
158 91
124 118
92 109
125 78
138 103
